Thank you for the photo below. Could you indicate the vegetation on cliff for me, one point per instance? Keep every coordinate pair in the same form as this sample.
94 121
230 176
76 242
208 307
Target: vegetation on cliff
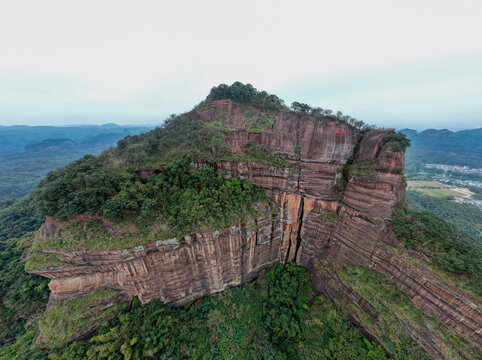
188 135
397 141
393 310
70 318
245 94
440 240
22 295
261 153
317 113
179 201
365 168
179 136
276 317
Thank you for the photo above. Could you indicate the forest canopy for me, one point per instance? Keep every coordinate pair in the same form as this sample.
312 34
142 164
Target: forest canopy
246 94
182 197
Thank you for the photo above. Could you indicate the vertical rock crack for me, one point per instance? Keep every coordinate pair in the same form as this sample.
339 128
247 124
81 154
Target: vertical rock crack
300 225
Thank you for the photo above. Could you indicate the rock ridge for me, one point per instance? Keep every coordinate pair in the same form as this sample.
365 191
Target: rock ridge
319 212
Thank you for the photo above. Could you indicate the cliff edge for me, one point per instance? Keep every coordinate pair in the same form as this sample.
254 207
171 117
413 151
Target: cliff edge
331 190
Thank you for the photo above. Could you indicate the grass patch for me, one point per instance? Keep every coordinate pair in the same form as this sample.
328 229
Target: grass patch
393 304
450 249
218 124
329 217
258 121
66 320
39 260
111 235
254 152
436 189
366 168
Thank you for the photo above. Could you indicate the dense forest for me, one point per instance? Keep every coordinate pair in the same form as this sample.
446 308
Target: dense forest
181 200
467 218
22 295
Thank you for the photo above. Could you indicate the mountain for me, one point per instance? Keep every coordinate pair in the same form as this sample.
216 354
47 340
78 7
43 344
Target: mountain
243 188
32 151
463 148
17 137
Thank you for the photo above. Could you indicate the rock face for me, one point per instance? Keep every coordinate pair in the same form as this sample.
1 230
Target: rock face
175 270
316 215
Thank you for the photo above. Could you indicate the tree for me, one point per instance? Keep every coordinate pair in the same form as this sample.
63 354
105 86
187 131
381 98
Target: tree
246 94
301 107
317 111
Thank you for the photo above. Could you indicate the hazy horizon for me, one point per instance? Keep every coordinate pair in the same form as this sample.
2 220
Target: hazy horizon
404 65
158 124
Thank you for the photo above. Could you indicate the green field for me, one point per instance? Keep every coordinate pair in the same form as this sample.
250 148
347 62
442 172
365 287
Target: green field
437 189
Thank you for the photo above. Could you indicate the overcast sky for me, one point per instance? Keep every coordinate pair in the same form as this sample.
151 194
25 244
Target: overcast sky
398 63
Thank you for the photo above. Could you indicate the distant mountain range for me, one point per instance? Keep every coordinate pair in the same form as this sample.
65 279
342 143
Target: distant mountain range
27 153
17 138
462 148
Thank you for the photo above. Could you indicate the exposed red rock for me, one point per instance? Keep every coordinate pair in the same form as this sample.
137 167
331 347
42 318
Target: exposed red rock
175 270
316 219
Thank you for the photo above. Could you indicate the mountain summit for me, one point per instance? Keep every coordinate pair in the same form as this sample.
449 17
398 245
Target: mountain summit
234 187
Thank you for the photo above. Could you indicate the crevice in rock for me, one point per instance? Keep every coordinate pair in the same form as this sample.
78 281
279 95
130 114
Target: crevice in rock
379 150
300 224
287 255
344 180
256 233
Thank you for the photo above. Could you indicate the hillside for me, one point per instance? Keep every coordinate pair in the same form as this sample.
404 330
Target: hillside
28 153
17 138
243 188
462 148
444 173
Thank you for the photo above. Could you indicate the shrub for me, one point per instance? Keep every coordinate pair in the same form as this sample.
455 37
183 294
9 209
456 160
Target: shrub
450 249
262 153
398 141
366 168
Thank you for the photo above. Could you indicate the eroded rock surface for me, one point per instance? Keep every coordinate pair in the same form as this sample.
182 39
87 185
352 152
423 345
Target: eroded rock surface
315 215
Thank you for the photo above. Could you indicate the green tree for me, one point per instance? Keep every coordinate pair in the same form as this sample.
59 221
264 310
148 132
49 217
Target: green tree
297 106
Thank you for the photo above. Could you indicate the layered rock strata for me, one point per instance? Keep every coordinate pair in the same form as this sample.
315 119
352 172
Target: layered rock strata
319 213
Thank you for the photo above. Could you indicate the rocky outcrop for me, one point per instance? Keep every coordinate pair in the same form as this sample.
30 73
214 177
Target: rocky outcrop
174 270
319 213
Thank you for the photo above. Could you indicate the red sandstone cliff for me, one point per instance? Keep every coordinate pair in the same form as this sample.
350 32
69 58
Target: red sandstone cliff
317 219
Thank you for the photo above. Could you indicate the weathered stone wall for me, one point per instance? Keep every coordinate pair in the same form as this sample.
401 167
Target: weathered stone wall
317 217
